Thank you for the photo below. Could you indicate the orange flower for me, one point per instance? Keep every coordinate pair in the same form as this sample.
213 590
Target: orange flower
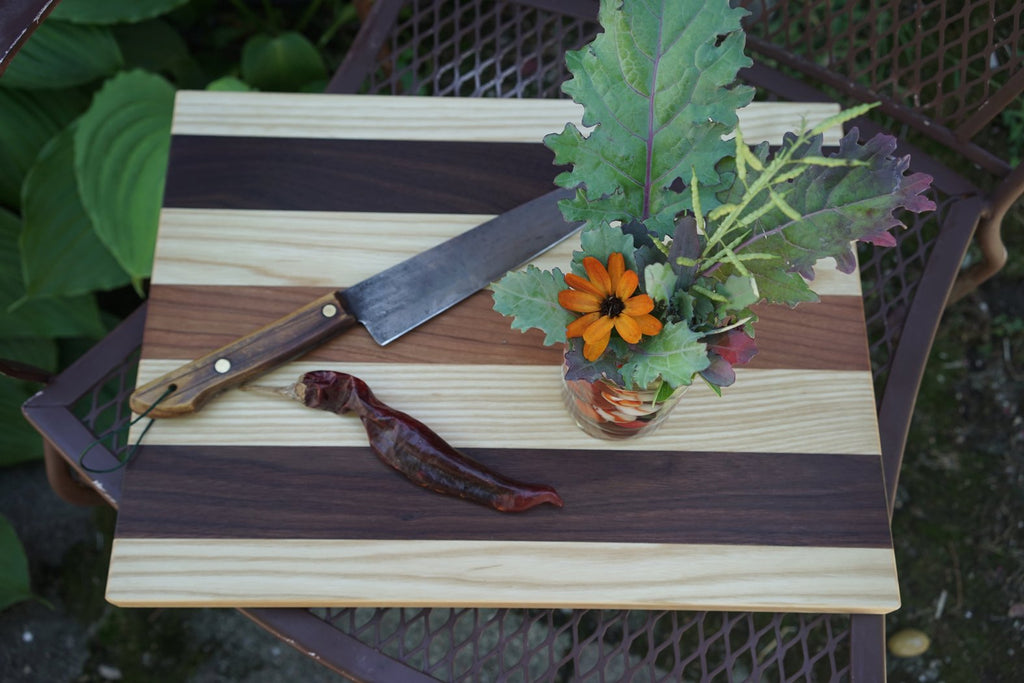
605 298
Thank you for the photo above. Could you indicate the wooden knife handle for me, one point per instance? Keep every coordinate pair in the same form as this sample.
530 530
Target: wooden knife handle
186 389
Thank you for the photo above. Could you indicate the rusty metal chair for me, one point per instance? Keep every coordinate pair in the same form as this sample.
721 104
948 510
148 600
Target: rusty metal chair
942 76
18 19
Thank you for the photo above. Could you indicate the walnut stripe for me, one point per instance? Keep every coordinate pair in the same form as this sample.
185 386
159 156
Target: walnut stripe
812 499
183 572
338 249
509 406
310 174
376 117
185 322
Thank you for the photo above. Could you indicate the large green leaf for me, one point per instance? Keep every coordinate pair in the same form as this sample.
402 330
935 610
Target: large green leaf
121 147
60 55
51 317
61 254
19 441
656 84
157 46
286 62
113 11
27 121
14 577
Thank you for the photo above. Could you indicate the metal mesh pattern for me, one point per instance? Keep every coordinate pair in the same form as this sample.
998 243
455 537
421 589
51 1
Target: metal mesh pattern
104 410
940 59
889 279
594 645
477 49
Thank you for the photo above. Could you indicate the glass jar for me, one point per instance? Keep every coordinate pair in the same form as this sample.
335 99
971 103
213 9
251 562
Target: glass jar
605 410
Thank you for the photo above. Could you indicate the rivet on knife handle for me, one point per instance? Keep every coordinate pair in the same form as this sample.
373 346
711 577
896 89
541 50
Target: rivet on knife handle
197 382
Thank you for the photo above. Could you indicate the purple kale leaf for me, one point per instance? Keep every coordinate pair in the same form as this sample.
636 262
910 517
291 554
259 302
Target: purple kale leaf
841 204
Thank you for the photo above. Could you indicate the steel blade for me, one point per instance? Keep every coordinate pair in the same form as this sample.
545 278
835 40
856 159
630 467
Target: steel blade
396 300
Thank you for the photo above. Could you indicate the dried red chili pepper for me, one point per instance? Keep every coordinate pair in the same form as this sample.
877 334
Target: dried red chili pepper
412 448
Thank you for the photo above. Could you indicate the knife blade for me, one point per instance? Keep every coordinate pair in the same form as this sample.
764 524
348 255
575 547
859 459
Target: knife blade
387 304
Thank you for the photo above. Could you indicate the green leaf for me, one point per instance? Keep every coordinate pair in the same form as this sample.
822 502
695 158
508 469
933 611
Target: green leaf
112 11
61 55
61 254
121 147
15 585
656 86
19 441
286 62
665 392
157 46
660 281
601 241
530 296
39 352
27 120
52 317
675 355
741 291
229 84
777 286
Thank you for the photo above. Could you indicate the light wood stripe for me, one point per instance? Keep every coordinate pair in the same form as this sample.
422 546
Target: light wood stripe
383 117
183 572
472 406
257 247
238 247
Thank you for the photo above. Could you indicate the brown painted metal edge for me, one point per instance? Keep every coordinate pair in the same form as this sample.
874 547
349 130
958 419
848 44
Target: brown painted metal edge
340 652
49 410
68 487
867 648
366 47
908 364
18 20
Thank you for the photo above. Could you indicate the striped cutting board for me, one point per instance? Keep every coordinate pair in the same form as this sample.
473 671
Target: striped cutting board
768 498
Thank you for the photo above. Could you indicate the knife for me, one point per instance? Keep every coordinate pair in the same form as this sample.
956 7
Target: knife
387 304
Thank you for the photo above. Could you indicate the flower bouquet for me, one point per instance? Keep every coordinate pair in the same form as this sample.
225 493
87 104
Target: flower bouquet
685 227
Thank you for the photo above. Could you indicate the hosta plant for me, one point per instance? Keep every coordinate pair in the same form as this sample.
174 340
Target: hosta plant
685 226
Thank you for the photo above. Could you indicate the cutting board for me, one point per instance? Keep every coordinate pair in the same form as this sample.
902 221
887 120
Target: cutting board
769 498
